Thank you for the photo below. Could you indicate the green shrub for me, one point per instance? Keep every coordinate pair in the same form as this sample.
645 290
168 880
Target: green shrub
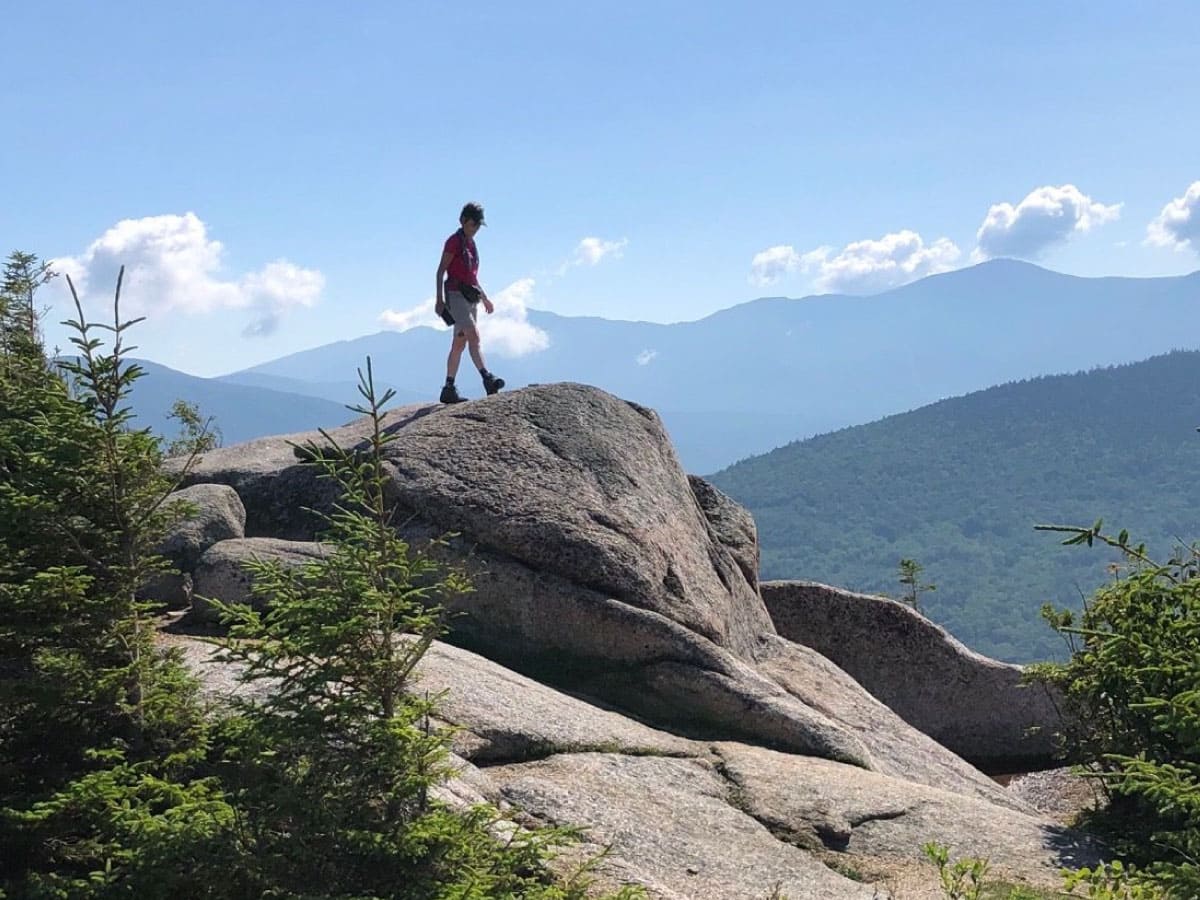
961 879
1132 689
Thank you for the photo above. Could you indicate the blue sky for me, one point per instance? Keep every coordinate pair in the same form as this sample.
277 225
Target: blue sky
277 176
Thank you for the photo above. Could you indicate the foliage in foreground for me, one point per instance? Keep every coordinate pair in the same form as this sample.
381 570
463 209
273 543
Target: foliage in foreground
96 724
967 879
1132 689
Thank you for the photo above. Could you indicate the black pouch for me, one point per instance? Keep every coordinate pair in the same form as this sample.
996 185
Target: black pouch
446 317
471 292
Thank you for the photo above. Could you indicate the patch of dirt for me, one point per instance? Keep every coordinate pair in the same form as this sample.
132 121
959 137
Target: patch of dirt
1057 793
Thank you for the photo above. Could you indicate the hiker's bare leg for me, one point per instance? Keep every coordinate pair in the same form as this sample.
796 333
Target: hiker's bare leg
472 339
456 348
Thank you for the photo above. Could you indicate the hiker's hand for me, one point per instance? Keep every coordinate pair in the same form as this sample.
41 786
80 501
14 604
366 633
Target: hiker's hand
439 306
487 305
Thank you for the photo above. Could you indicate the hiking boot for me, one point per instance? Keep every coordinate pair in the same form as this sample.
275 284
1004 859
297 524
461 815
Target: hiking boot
450 395
492 384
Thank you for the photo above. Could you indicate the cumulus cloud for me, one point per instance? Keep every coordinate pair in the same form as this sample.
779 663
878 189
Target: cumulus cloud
507 332
876 265
1046 216
172 265
413 317
590 252
593 249
769 265
1178 225
645 356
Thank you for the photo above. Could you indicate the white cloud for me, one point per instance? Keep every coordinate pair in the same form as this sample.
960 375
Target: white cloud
413 317
507 332
769 265
171 265
1178 225
590 251
593 249
645 356
876 265
1046 216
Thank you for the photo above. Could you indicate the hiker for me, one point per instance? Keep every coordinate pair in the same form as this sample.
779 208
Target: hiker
458 301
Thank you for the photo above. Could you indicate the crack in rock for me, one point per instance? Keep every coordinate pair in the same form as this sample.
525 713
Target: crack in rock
537 752
888 816
786 834
672 583
834 833
474 417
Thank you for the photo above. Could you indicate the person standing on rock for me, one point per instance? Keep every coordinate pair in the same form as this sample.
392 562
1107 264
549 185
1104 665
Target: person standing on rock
458 299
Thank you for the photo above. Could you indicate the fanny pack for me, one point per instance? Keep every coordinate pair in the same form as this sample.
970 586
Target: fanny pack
470 293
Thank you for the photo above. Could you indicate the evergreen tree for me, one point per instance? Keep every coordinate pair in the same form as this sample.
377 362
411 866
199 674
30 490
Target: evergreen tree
910 577
23 274
97 725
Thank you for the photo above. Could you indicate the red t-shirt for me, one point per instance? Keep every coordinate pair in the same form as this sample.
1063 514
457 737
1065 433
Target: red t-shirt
464 267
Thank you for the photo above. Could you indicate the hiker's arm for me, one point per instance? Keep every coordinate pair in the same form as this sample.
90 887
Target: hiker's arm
441 274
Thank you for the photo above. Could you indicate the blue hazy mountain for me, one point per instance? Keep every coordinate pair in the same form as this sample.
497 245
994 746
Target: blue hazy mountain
760 374
240 411
340 392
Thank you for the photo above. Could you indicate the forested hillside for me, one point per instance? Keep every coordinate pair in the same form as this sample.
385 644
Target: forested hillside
959 486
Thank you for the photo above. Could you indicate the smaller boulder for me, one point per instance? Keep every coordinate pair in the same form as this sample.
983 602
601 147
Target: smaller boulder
671 825
221 573
219 516
973 705
816 802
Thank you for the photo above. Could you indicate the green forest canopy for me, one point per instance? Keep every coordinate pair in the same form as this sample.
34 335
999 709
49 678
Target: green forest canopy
959 485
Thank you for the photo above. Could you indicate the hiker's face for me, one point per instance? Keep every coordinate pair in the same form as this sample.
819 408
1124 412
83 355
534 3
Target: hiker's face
470 227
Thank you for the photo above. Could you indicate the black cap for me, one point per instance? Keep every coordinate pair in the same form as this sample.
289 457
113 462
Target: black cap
474 212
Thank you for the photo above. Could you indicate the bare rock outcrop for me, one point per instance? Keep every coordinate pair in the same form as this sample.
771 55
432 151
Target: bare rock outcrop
598 565
691 819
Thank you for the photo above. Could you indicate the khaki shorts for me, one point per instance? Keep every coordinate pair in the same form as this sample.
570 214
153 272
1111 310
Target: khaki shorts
460 309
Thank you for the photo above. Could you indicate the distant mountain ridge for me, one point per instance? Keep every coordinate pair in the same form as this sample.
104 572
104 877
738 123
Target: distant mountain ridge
241 411
1128 313
755 376
959 485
